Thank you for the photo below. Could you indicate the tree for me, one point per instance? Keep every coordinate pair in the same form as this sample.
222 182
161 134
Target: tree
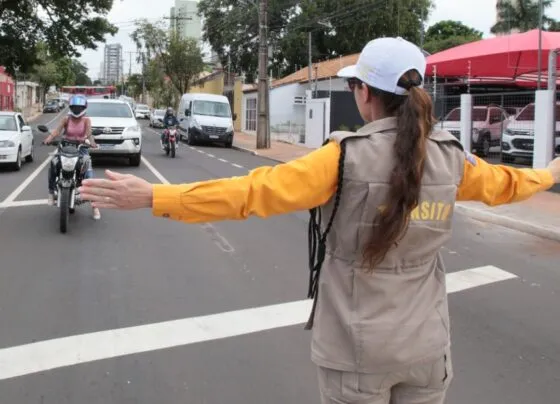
231 28
51 70
178 58
522 15
81 73
448 34
62 25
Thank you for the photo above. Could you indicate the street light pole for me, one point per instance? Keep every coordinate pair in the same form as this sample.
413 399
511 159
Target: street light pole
263 128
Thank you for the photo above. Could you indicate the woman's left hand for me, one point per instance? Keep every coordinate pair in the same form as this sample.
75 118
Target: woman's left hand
118 191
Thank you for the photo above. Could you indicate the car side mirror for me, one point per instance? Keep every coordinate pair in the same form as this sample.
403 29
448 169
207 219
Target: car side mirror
187 112
26 128
234 116
42 128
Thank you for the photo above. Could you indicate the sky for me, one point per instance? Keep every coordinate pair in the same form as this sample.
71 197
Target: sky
478 14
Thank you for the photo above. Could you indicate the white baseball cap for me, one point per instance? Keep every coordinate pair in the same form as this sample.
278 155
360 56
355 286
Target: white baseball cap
383 61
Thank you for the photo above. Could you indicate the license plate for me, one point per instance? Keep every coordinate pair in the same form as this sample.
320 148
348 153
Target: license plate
106 146
3 157
214 137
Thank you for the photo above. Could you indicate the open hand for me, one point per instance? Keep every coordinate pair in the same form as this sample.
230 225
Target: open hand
554 167
118 191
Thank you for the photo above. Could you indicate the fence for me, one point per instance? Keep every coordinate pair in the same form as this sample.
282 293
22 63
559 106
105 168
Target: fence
503 125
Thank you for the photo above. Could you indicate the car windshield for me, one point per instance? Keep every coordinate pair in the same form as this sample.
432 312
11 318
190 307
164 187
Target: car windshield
7 123
478 115
108 110
52 103
528 113
211 108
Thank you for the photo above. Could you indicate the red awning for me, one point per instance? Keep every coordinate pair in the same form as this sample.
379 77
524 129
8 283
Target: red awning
509 56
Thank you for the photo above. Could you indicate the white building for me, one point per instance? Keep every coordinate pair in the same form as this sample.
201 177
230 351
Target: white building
185 19
112 64
288 99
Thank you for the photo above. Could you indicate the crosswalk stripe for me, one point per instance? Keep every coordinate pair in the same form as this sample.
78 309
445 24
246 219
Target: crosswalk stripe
51 354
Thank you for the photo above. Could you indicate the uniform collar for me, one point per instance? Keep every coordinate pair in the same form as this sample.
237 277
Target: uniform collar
380 125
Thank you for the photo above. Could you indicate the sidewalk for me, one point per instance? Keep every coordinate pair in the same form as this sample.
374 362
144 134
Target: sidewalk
539 215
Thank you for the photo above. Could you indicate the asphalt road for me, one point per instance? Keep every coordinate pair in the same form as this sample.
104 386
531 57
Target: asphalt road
155 275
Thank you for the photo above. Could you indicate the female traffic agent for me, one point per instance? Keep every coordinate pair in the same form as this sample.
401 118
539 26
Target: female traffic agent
380 322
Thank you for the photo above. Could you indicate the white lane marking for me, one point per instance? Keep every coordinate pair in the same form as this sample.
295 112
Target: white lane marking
223 160
200 151
215 235
15 204
192 147
236 165
56 117
154 171
21 187
68 351
471 278
210 155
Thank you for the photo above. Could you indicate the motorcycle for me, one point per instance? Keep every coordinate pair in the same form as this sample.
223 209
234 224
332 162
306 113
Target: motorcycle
170 140
70 170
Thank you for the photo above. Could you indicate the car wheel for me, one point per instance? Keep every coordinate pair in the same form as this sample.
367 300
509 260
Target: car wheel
17 164
31 155
190 139
135 160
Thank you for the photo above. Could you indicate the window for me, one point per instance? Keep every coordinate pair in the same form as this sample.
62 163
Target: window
21 121
108 110
251 114
496 115
7 122
211 108
454 115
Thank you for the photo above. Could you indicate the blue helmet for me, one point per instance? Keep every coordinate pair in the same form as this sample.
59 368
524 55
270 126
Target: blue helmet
77 105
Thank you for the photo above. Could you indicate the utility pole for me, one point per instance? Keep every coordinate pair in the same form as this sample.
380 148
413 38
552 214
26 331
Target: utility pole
143 79
263 125
539 68
310 60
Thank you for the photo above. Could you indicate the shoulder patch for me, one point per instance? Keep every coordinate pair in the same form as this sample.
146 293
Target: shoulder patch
470 158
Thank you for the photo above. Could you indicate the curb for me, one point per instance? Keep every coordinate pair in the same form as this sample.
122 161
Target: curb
504 221
35 117
255 153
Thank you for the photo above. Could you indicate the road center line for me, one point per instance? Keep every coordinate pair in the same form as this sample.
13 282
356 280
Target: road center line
21 187
68 351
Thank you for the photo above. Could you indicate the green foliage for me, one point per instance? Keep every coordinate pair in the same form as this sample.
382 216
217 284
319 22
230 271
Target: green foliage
63 25
176 59
523 16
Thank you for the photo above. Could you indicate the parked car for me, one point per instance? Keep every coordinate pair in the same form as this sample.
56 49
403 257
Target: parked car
121 135
488 124
142 111
16 140
206 117
519 138
51 106
155 116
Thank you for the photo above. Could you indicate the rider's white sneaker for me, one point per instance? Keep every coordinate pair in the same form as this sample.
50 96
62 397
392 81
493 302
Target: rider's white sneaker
96 214
50 200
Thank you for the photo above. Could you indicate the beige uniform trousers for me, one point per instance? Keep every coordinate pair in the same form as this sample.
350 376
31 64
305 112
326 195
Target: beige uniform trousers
424 383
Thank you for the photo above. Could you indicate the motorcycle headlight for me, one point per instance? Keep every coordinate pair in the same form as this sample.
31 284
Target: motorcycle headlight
7 143
68 163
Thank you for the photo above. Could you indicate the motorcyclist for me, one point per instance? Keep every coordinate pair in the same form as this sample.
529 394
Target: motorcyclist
76 127
169 120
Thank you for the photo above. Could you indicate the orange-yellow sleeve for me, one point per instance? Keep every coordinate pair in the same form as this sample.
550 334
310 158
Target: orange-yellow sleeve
499 184
297 185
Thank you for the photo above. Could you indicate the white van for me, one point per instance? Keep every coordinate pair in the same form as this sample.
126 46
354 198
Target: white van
206 117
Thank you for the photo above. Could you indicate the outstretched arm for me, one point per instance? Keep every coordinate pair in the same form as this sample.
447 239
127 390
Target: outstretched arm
500 184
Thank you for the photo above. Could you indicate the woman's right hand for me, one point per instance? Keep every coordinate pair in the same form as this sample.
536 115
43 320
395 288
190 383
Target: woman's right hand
554 168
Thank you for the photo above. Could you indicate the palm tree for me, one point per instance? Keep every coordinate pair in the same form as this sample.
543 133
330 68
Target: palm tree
521 15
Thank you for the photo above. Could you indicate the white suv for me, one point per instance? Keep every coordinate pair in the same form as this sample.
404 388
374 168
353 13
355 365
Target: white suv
121 135
518 139
488 123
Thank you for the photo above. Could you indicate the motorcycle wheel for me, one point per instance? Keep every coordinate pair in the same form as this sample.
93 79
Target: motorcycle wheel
167 150
172 147
64 209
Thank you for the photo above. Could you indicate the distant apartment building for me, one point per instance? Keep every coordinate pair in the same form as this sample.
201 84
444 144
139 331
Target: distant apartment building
112 64
185 20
